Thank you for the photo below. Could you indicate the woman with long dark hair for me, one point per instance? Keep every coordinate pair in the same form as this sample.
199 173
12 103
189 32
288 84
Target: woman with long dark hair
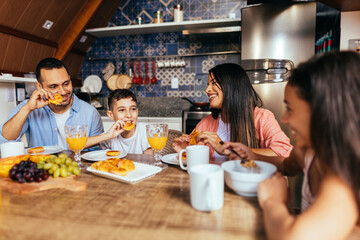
323 111
237 115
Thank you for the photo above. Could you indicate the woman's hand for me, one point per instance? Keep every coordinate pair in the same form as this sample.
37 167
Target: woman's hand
181 142
243 150
209 138
274 189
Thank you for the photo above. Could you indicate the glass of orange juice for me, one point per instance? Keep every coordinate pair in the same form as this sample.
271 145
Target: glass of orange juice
76 138
157 135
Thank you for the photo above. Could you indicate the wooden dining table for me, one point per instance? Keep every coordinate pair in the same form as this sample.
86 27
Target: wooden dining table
155 208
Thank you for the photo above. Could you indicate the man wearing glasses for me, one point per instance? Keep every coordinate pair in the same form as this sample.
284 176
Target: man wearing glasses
43 122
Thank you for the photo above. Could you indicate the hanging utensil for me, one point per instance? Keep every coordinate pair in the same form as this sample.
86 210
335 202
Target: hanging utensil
147 78
123 81
134 80
140 79
153 79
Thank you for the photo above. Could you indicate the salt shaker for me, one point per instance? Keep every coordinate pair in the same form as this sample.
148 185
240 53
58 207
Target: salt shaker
178 13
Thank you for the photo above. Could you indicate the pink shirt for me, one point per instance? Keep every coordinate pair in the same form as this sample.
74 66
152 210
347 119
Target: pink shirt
267 129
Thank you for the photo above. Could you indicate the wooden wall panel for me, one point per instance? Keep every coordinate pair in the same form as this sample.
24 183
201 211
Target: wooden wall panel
11 10
73 62
47 52
14 54
4 41
66 19
31 57
29 21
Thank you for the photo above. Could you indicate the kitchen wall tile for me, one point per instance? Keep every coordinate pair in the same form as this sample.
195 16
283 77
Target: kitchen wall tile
164 46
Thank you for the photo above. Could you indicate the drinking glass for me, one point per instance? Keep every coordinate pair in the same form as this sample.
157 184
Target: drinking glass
157 135
76 138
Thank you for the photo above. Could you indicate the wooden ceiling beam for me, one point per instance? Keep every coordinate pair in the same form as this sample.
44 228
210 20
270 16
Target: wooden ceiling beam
76 28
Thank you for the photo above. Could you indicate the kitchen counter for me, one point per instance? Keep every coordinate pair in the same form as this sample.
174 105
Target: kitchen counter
158 107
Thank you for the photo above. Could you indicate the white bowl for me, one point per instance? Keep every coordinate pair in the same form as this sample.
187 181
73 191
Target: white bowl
243 181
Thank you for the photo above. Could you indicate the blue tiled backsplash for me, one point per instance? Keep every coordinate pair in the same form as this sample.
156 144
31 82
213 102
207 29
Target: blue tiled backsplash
166 46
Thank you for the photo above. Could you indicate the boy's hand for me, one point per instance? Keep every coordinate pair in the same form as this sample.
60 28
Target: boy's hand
116 129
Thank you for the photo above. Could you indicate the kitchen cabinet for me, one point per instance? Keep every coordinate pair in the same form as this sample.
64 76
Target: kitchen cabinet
173 122
223 25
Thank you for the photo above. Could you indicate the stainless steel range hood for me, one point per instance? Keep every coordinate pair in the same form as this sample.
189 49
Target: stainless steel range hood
267 70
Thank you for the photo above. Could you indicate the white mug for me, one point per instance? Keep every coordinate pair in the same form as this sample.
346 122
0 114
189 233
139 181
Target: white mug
13 148
195 155
207 187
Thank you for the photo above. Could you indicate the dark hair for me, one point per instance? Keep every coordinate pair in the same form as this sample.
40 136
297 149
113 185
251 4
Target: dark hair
118 94
240 100
48 63
331 84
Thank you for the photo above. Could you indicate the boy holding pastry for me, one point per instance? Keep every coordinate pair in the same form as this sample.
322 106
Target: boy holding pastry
126 134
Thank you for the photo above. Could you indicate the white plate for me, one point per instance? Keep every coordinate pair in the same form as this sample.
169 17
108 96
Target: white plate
171 159
48 150
141 172
93 83
100 155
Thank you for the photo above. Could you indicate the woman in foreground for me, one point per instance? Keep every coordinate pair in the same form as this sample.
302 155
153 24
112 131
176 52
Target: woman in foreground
323 102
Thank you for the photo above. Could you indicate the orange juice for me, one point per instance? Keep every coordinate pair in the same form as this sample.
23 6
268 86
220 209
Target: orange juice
157 143
76 143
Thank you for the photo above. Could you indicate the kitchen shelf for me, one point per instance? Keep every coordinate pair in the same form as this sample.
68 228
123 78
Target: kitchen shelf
156 57
16 80
164 27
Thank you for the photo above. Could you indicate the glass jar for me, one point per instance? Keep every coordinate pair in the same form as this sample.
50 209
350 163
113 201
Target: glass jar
178 13
139 20
158 17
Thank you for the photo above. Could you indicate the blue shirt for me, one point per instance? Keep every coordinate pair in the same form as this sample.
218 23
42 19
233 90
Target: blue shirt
40 126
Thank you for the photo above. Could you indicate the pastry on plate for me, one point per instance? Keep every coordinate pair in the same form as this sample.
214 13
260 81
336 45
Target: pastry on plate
112 153
36 150
127 164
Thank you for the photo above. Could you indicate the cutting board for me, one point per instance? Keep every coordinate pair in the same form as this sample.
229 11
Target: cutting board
68 183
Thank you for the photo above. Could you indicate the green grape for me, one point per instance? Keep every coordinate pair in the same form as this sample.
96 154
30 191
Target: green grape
68 173
52 156
62 160
63 166
51 171
70 168
74 164
62 155
63 172
48 166
68 161
41 162
57 160
76 171
40 165
55 167
56 173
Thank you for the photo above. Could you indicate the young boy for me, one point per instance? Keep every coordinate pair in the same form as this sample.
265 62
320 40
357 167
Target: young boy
123 110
